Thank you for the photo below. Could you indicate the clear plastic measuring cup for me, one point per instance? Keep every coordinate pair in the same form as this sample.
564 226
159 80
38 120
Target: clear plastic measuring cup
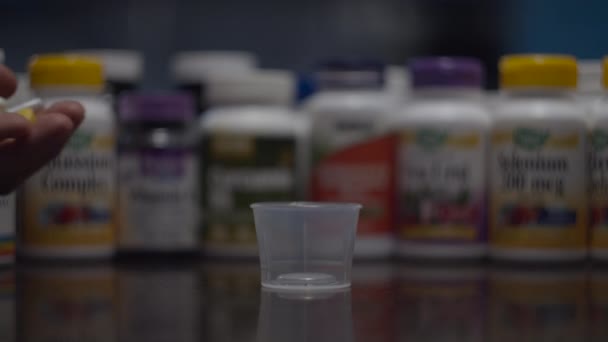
306 245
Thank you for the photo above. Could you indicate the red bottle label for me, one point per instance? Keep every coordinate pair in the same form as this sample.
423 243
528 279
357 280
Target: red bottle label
361 173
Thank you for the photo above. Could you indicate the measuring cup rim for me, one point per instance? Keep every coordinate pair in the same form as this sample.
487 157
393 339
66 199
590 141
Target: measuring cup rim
316 206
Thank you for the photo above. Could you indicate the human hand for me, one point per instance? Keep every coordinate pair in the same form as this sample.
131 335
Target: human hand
25 146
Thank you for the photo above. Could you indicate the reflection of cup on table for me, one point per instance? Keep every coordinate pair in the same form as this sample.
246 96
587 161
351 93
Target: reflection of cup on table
324 316
306 245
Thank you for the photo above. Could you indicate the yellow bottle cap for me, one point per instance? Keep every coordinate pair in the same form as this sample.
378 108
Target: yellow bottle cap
605 72
65 70
552 71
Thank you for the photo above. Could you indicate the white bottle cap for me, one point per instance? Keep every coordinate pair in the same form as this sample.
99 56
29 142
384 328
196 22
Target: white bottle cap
590 76
398 81
119 65
197 66
260 87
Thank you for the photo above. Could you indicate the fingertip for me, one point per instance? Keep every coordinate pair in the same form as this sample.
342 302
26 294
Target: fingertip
56 124
8 82
72 109
13 126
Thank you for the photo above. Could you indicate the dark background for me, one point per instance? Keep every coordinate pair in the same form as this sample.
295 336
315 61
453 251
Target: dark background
296 34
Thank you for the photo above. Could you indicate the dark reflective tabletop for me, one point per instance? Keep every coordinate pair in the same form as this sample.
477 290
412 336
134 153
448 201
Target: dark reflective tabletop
156 301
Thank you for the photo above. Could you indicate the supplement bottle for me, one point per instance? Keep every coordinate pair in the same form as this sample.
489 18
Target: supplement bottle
193 70
158 210
253 150
70 204
538 162
442 139
599 175
123 69
7 219
352 161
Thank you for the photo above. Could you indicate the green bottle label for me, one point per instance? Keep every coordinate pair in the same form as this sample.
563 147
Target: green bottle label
238 170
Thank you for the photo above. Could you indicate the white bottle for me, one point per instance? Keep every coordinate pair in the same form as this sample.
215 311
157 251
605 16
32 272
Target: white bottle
352 160
70 204
599 174
441 158
253 149
193 70
538 163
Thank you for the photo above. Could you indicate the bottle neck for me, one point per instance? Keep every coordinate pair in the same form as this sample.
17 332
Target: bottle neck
533 93
51 91
349 80
447 93
152 125
352 91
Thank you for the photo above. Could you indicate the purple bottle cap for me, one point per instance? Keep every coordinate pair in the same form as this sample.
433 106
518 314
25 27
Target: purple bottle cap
350 73
446 72
159 107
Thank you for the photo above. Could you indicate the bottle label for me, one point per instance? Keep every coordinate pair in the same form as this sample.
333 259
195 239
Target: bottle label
350 164
71 201
7 225
238 170
539 186
599 186
158 202
442 184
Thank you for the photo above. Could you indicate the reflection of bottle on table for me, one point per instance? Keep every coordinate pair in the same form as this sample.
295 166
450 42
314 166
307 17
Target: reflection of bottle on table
7 305
373 299
68 303
599 306
533 305
305 317
158 304
230 300
441 303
